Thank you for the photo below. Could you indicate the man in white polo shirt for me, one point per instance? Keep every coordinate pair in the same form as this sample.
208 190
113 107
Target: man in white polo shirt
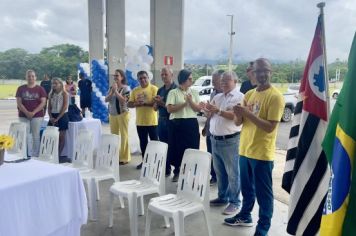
225 137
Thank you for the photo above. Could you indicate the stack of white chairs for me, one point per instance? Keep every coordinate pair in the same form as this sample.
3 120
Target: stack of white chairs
18 132
82 157
151 181
106 163
192 193
49 145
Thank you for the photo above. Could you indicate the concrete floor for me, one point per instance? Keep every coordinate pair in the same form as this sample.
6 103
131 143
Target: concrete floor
194 224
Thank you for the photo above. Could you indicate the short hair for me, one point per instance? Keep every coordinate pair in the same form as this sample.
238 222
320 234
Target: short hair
262 61
122 73
218 72
30 71
232 74
141 72
168 69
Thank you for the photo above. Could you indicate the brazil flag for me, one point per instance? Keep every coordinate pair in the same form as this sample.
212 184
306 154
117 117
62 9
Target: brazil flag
339 216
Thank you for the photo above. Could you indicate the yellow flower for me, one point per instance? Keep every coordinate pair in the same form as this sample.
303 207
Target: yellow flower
6 142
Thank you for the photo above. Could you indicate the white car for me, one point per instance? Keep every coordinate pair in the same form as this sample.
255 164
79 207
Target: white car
291 100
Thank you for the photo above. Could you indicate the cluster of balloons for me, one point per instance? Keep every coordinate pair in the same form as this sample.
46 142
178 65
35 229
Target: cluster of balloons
137 60
100 84
85 69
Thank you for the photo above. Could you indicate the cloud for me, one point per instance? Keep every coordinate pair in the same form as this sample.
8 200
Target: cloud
277 29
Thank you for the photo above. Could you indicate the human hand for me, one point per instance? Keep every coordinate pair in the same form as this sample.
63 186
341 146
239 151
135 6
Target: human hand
239 110
212 108
30 114
114 86
157 98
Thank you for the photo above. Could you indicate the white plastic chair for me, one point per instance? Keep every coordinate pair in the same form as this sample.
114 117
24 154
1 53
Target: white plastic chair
192 193
151 181
83 152
18 132
49 145
106 166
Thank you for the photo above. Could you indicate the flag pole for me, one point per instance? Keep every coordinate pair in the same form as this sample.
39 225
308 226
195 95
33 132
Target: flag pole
321 6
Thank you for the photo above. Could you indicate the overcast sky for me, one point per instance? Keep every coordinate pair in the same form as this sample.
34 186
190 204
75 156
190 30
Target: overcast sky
276 29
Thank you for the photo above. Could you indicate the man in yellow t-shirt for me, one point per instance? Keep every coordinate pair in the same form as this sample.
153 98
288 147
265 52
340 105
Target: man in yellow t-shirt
146 117
259 115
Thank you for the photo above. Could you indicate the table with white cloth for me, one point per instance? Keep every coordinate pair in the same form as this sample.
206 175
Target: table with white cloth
39 198
93 125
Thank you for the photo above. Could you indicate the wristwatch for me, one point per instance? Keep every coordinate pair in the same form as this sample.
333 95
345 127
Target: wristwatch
219 112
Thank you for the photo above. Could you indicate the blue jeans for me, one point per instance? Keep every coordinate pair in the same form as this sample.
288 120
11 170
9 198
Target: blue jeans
163 137
256 182
226 165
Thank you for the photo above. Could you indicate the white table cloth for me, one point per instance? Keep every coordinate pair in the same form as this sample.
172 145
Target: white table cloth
93 125
38 198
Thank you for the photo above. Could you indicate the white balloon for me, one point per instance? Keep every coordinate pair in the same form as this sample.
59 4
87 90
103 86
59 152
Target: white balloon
147 59
129 51
143 50
131 66
150 75
137 59
145 67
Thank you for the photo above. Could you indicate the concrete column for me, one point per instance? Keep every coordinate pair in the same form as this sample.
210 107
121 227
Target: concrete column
96 29
167 30
115 34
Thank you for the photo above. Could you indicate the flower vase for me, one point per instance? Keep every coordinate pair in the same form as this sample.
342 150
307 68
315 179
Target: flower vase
2 155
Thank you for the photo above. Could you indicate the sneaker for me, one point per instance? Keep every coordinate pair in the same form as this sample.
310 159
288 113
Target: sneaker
230 209
175 178
238 220
212 181
139 167
217 202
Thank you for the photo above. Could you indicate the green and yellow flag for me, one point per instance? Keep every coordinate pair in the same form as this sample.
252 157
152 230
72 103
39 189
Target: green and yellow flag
339 216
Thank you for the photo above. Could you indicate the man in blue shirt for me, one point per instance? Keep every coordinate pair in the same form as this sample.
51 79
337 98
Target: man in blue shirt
85 93
160 105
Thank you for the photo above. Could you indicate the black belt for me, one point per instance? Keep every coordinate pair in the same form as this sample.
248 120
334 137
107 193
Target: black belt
223 137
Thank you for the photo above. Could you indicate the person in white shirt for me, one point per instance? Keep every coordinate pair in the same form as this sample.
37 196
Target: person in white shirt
224 138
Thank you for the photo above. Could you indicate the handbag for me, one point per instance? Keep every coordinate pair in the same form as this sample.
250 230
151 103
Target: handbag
74 113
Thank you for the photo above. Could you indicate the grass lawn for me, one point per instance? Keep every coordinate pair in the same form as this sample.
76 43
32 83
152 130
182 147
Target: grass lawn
7 90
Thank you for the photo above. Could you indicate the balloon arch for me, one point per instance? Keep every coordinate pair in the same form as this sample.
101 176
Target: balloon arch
135 61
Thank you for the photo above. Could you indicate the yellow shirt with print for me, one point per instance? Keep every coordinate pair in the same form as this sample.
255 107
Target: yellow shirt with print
145 115
255 143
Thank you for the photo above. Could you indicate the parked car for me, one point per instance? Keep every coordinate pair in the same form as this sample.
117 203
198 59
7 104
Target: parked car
290 100
202 83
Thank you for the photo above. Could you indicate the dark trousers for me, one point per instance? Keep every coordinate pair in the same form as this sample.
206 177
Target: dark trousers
143 133
256 182
208 147
163 130
184 133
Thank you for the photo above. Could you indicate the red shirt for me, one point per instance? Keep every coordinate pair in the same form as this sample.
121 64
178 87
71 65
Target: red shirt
31 98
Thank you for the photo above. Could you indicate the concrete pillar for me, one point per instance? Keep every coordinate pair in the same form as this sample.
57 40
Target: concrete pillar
167 30
96 29
115 34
